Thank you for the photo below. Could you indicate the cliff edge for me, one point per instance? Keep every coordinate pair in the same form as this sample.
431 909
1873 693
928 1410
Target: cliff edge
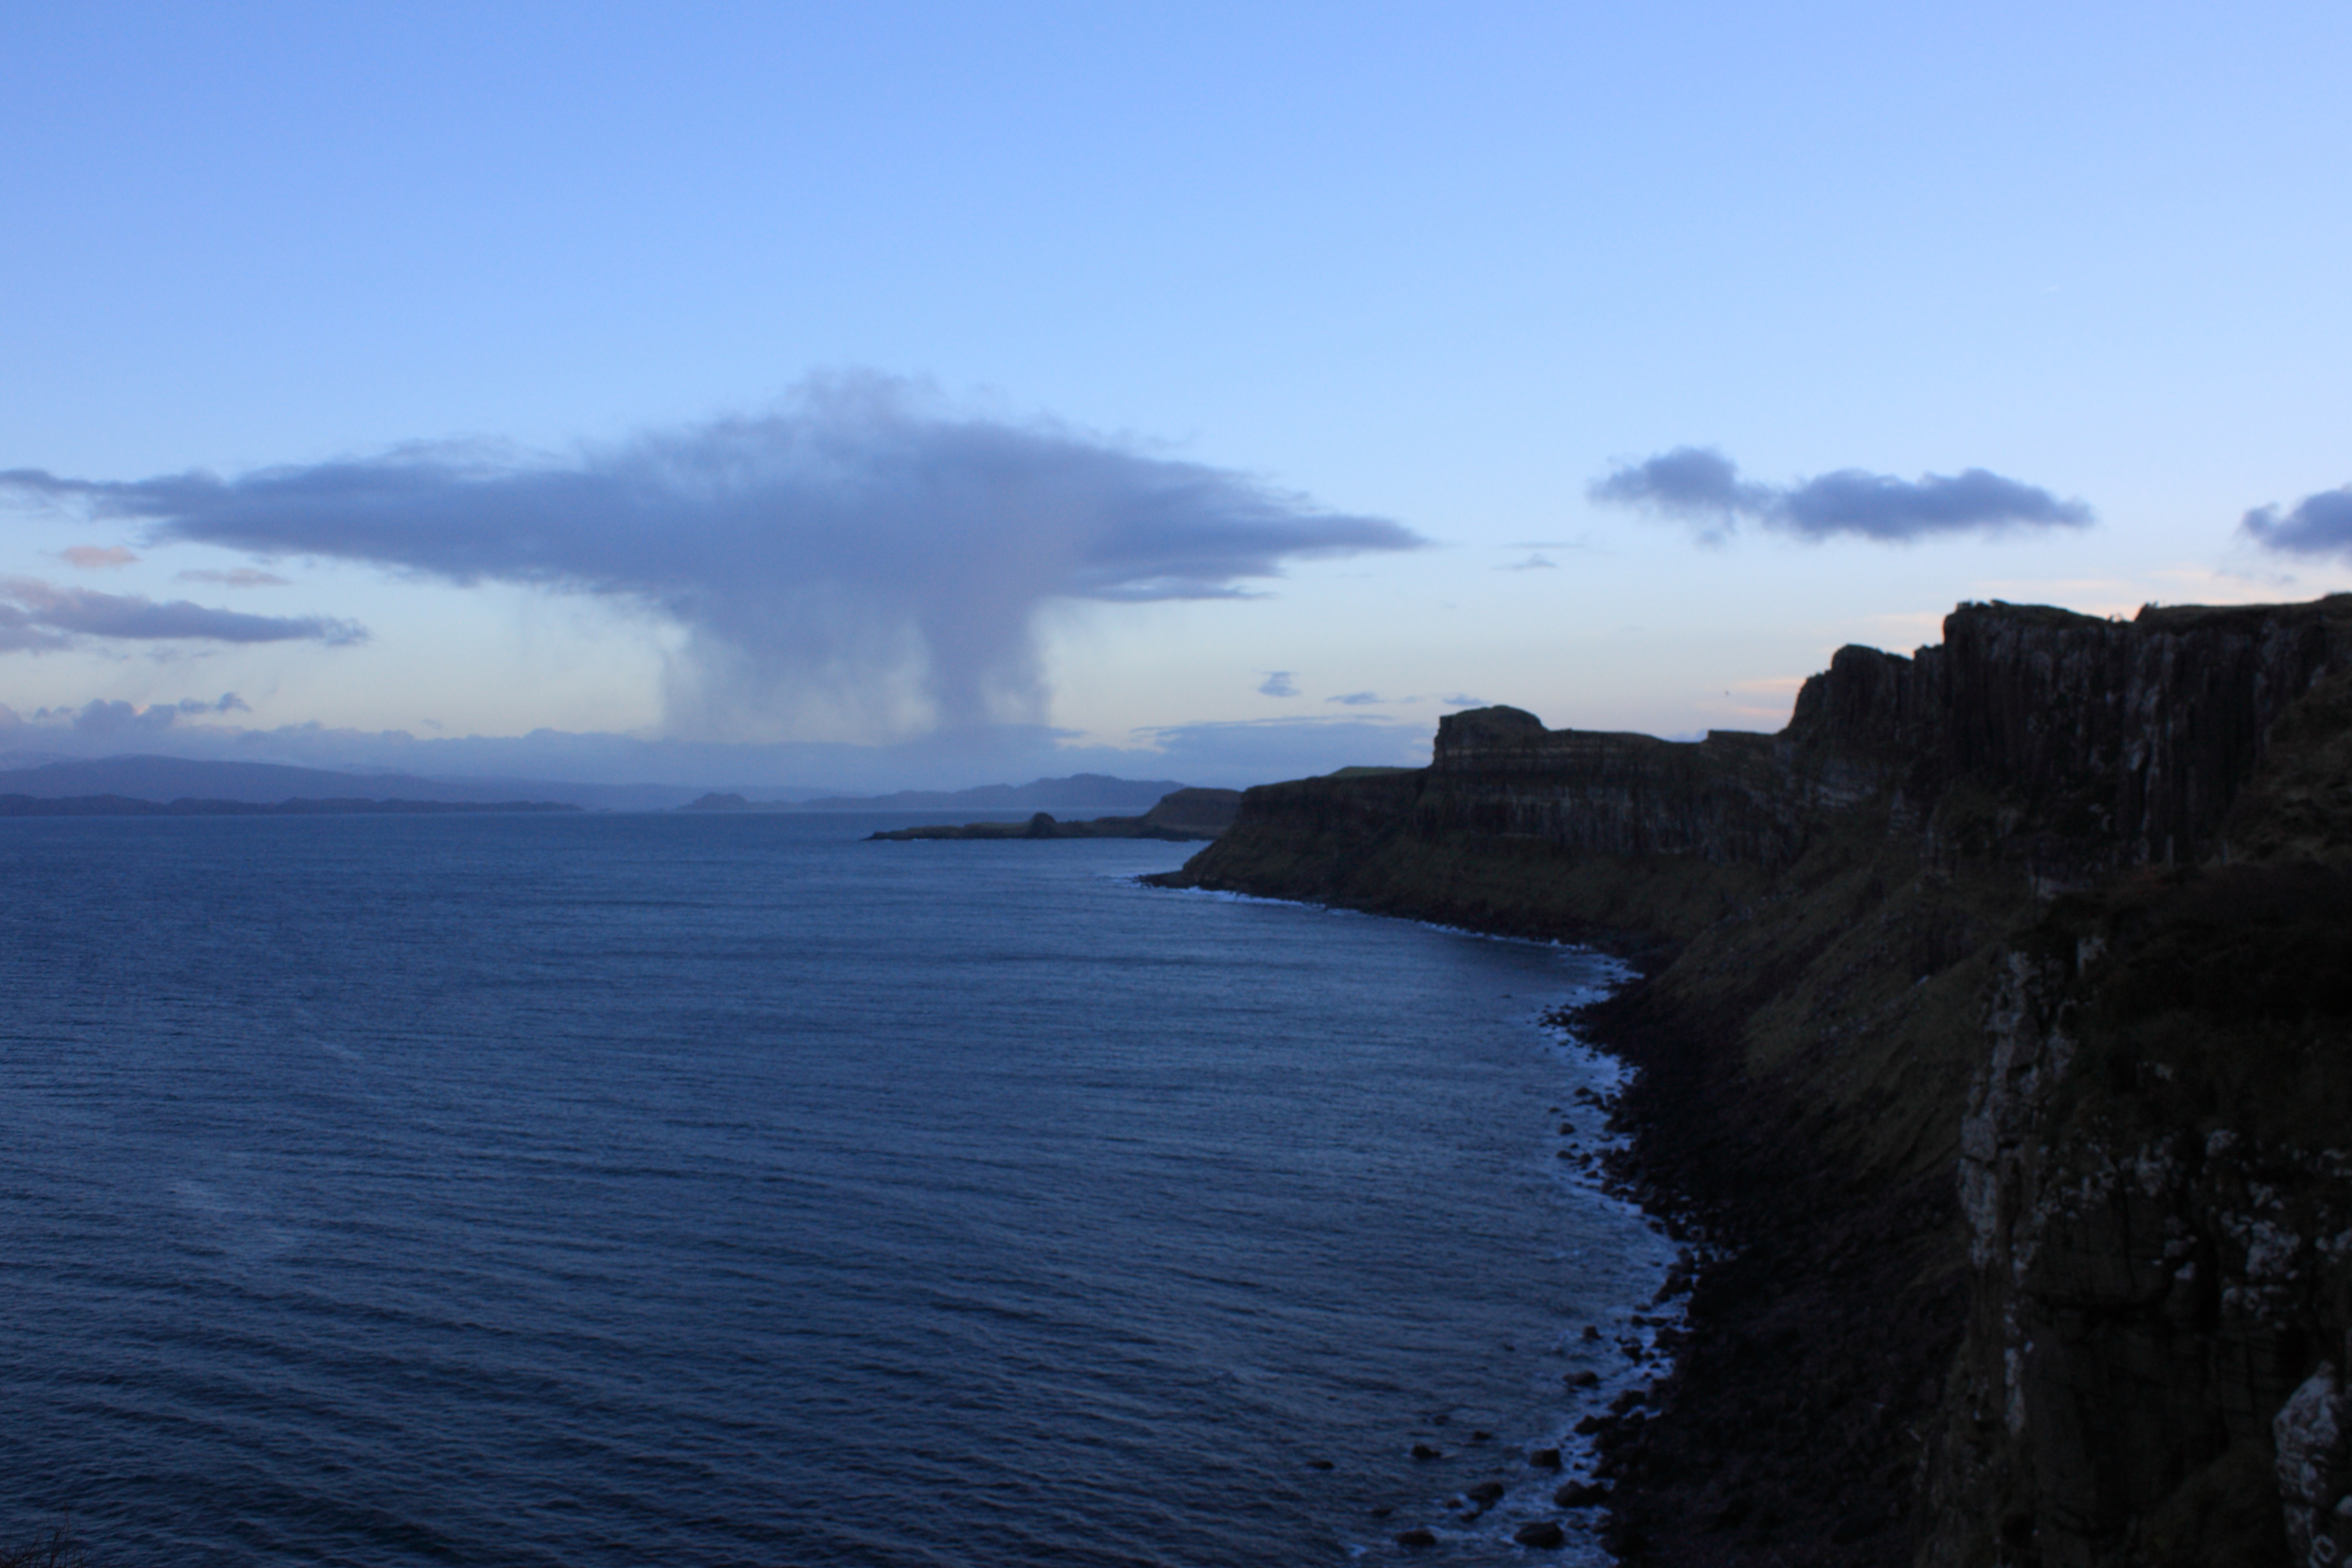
1996 1030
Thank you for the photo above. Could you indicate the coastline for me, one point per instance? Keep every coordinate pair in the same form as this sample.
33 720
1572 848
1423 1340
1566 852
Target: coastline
1816 1329
1779 1385
1609 1425
2003 970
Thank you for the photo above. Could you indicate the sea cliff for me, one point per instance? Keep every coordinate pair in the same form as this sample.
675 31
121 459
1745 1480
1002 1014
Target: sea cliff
1995 1038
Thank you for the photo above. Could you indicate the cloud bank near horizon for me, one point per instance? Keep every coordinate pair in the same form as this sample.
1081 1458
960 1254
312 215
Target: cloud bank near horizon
1701 487
2318 524
108 721
859 559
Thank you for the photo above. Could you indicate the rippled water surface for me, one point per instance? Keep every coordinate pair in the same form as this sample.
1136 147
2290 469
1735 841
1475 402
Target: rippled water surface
626 1190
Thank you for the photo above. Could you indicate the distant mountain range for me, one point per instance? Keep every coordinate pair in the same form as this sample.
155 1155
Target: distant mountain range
267 784
1080 792
154 778
124 806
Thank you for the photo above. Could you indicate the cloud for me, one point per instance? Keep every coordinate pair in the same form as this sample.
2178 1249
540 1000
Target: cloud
2320 524
1277 683
20 632
1693 482
102 719
1357 698
1532 563
1702 487
1877 506
1464 701
237 577
93 558
860 558
35 615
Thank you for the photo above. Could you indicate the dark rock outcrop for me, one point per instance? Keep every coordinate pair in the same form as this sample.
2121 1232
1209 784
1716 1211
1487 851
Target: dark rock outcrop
1996 1049
1205 813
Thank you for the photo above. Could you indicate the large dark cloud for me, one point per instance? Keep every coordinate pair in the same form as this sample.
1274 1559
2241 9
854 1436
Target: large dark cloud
859 553
2317 525
1702 487
37 615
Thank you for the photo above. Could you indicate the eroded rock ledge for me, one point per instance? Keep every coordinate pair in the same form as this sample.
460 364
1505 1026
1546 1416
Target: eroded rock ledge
2000 1011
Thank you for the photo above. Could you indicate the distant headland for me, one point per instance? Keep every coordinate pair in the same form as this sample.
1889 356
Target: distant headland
1180 814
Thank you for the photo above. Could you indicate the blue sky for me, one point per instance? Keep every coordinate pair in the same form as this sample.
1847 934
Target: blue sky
1269 280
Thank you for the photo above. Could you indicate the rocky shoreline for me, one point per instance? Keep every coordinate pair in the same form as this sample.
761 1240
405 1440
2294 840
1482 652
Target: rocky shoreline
1994 1031
1813 1343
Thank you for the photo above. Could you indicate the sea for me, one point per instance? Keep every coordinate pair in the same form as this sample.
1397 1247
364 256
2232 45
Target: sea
643 1189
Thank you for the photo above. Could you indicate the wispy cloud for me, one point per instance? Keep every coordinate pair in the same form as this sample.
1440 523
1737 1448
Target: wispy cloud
237 577
1701 487
1359 699
37 615
2318 524
862 553
1277 683
1532 563
96 558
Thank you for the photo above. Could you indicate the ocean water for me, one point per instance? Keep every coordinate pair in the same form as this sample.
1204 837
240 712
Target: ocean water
629 1189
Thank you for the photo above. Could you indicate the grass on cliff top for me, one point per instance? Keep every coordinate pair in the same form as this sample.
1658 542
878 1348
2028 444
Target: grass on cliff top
2216 997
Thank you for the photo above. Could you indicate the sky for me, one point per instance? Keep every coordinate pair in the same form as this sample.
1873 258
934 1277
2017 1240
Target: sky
909 395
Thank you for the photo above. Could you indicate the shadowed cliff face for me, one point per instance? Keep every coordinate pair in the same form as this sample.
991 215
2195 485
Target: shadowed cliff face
1996 1006
1731 798
2154 1183
2126 741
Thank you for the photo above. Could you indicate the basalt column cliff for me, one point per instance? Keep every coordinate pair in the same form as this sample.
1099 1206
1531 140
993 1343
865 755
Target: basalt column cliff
1997 1024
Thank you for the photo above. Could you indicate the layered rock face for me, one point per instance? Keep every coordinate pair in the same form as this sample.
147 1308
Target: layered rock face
2009 985
1732 797
2130 739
